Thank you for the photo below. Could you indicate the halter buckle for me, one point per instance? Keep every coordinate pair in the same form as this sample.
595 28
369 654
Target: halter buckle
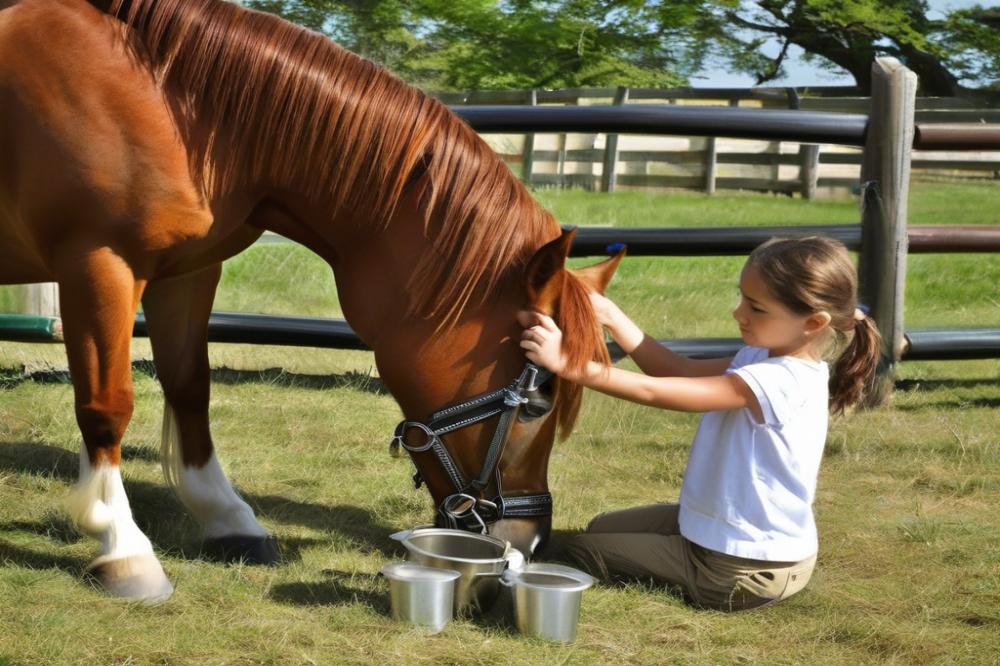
532 378
513 398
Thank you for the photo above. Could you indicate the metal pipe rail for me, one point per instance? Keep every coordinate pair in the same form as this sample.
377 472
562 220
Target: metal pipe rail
738 123
848 129
699 241
722 241
336 333
920 345
242 328
258 329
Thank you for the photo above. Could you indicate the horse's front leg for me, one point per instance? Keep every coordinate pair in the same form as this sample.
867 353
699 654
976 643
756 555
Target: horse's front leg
98 297
177 312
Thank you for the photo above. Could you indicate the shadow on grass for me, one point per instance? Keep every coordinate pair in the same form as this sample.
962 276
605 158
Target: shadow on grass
926 386
933 384
338 588
982 403
142 453
25 557
56 527
358 381
162 517
39 460
361 526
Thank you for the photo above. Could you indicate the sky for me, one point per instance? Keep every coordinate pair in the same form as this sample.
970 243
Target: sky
800 73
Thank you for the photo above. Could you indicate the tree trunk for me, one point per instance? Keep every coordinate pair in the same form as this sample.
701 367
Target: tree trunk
935 79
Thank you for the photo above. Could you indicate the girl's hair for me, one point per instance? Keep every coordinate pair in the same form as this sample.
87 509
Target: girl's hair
816 274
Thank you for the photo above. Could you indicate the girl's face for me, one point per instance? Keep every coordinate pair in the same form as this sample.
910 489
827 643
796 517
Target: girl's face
765 322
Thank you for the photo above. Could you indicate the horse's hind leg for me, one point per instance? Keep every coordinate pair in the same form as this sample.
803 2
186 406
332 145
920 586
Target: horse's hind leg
98 298
177 312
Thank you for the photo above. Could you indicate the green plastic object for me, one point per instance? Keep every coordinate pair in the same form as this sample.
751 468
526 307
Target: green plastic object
30 328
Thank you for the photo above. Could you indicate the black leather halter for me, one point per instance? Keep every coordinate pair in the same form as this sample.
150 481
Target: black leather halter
466 508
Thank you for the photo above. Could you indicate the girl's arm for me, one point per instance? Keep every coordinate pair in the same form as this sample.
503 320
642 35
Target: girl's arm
651 357
543 342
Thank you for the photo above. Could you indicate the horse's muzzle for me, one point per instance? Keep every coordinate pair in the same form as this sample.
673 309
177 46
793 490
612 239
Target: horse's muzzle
529 535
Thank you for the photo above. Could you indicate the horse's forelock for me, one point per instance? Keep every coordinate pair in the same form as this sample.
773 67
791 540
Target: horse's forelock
583 341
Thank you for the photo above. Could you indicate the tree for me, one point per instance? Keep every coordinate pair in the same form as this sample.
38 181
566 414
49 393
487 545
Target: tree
560 43
479 44
850 34
379 30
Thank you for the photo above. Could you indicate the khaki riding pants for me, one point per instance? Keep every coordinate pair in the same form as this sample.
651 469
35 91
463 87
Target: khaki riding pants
646 543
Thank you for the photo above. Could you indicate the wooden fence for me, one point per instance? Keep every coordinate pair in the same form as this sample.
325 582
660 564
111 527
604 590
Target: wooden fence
769 167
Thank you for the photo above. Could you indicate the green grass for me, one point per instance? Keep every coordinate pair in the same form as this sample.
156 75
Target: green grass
909 568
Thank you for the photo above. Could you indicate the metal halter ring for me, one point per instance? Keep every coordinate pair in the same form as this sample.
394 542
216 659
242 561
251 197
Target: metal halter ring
462 505
398 440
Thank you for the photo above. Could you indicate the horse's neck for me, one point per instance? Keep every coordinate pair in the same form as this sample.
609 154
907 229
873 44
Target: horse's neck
427 368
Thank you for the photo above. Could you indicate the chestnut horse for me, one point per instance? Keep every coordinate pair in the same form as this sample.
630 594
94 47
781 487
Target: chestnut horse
143 142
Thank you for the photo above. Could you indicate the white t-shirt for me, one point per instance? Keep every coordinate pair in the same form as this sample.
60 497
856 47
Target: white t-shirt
749 486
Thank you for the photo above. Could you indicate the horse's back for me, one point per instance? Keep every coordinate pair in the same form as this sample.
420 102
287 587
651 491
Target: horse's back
88 145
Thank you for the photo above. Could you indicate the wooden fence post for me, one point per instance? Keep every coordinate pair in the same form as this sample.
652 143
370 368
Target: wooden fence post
609 176
808 169
40 299
710 161
711 156
885 178
561 160
528 156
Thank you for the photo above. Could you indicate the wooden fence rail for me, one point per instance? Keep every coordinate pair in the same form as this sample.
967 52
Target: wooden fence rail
977 108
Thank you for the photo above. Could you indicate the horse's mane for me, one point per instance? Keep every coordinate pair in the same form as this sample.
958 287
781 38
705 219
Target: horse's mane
307 115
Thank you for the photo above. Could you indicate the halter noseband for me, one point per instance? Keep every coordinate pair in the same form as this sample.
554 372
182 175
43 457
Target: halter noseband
465 508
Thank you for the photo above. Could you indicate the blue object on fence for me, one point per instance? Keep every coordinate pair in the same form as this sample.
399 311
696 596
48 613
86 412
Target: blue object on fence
615 248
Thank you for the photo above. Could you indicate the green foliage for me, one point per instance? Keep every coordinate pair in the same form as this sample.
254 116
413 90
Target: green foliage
973 37
849 34
562 43
378 30
485 44
478 44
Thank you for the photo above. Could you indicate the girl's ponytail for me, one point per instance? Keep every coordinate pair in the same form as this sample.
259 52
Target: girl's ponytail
815 274
855 368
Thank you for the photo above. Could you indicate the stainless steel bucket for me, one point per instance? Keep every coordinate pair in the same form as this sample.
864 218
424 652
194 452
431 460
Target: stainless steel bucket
546 600
479 558
421 595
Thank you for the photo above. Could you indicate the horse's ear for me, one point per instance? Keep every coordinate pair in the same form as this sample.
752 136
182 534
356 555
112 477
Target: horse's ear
545 274
597 277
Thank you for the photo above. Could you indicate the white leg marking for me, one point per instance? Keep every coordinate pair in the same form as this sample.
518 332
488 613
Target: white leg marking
205 491
100 508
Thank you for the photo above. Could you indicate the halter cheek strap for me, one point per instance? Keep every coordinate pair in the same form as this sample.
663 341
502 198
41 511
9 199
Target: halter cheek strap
466 508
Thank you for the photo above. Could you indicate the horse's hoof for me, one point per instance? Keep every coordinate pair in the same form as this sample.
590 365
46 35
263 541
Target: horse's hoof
246 549
136 578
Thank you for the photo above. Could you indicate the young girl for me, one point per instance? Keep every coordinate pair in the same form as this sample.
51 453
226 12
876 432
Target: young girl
743 534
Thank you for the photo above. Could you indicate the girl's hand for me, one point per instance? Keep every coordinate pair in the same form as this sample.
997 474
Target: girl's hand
604 308
542 341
